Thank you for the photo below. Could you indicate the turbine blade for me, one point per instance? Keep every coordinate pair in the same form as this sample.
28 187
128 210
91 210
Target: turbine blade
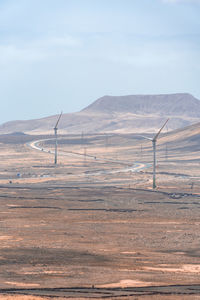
145 137
58 120
157 134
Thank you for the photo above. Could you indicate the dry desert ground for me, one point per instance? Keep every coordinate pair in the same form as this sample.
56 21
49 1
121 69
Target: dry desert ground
92 227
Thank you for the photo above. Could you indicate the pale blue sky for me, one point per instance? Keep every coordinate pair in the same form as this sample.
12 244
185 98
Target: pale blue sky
64 54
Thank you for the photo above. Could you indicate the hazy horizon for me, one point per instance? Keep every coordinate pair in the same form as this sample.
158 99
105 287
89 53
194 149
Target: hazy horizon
63 55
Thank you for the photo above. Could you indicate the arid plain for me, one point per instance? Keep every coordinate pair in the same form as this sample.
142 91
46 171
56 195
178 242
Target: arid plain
92 227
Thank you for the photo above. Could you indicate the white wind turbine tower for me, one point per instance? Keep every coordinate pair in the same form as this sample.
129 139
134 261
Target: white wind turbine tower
154 140
56 138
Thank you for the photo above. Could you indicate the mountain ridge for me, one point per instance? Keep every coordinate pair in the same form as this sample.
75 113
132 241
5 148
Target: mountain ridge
132 113
145 103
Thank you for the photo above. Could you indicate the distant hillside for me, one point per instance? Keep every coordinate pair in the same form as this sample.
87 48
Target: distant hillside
187 138
172 105
137 113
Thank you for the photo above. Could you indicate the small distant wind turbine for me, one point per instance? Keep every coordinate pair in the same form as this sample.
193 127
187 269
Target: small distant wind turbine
56 137
154 140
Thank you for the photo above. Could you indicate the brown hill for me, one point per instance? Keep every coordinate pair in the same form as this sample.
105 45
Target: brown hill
139 113
173 105
186 139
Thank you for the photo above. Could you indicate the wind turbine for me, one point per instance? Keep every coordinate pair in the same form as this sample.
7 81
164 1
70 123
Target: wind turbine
154 140
56 137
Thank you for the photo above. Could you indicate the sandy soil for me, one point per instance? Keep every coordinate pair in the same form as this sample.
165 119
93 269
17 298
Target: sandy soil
21 297
158 297
80 225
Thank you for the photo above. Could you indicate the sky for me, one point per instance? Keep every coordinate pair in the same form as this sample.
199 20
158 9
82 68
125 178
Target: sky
64 54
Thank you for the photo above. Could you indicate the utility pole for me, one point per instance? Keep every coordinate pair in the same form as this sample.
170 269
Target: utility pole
85 155
82 136
166 153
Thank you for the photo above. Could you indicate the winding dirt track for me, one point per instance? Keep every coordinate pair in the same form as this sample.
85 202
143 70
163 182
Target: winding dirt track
135 167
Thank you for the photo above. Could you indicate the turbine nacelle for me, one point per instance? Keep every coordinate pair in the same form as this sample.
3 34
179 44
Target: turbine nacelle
56 126
157 134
